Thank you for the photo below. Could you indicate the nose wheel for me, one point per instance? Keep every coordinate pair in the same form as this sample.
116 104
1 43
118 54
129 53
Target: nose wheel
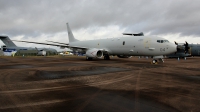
154 61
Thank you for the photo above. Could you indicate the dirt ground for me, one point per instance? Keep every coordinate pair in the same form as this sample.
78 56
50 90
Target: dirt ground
72 84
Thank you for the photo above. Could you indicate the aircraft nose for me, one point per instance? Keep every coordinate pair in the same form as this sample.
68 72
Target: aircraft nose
173 48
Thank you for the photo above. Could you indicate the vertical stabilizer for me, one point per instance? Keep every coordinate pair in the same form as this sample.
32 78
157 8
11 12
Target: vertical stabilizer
70 34
6 40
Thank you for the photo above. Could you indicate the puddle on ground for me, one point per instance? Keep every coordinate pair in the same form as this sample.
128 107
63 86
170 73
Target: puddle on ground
146 65
62 74
15 66
4 60
122 102
192 69
60 64
194 79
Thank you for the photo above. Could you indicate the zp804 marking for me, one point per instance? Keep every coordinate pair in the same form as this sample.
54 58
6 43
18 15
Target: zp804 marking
162 49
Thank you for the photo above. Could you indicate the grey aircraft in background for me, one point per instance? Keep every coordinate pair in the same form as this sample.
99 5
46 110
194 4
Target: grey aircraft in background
185 50
122 46
10 47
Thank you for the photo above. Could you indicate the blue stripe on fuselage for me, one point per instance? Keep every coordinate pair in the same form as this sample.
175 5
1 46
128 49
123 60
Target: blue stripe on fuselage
9 50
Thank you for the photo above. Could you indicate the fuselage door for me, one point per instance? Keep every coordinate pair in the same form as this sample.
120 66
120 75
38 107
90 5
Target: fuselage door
147 43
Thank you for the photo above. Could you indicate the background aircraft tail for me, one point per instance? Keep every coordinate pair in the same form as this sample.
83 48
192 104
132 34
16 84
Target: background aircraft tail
6 40
70 34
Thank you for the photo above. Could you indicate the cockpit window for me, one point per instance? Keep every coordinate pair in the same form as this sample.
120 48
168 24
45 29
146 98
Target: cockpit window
165 41
162 41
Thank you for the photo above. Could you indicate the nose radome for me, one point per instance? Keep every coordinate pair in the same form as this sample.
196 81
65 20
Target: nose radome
174 47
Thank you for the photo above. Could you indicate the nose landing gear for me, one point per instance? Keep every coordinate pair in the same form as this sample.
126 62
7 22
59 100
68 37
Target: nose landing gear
154 61
157 59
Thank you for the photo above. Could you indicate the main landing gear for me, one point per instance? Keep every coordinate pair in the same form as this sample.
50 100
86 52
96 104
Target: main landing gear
88 58
106 57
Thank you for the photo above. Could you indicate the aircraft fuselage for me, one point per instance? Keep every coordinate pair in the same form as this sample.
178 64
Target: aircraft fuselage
132 46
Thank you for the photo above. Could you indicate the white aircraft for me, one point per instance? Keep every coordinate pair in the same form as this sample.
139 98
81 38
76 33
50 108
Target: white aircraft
9 49
122 47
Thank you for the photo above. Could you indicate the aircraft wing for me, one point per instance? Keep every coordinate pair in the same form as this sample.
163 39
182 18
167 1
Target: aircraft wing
78 47
59 45
57 42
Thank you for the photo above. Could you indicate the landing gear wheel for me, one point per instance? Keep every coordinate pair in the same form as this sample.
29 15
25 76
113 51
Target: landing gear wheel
161 60
106 57
154 61
88 58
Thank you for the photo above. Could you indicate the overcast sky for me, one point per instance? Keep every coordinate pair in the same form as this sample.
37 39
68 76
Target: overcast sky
40 20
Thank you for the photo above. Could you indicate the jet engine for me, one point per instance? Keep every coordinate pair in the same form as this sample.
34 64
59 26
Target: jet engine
94 53
123 56
42 53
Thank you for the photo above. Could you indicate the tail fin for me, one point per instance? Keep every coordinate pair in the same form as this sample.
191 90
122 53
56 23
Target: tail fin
6 40
70 34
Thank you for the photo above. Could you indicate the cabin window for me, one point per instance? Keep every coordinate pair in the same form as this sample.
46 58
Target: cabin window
123 42
158 41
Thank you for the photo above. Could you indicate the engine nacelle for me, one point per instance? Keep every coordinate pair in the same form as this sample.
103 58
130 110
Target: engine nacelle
123 56
94 53
42 53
